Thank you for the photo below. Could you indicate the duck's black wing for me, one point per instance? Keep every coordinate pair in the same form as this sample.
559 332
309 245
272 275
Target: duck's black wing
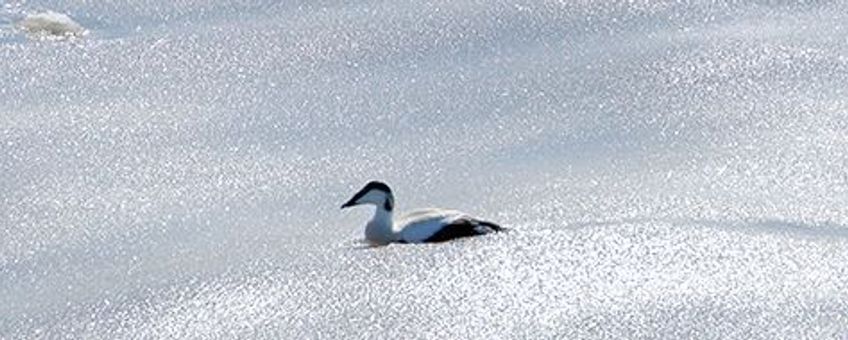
463 227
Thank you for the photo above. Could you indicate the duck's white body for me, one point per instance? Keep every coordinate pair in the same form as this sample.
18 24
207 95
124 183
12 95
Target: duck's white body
418 225
423 225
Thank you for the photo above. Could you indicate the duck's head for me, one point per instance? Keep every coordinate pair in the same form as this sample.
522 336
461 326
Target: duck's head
376 193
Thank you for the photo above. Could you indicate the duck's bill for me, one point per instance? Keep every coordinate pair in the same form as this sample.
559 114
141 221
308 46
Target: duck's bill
349 204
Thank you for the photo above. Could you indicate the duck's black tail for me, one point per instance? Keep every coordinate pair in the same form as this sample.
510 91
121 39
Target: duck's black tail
494 227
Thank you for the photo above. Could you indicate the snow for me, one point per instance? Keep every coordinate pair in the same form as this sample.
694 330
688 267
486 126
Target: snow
667 169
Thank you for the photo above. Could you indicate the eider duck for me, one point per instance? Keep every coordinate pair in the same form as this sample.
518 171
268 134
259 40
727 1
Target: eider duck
418 226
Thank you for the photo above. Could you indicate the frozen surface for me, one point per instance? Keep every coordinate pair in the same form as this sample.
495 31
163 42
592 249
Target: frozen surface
51 24
669 169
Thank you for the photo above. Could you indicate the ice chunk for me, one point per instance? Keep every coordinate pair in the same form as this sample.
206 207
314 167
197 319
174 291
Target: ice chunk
51 24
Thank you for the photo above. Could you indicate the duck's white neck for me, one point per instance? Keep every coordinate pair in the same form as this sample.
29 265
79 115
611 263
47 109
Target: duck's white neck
381 228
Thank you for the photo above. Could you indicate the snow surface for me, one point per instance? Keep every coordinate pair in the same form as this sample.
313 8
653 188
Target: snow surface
670 169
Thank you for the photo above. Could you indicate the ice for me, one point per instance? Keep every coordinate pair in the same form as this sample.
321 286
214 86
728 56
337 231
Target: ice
51 24
667 169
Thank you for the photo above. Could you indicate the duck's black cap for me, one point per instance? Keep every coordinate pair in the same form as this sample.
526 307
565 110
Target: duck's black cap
376 185
373 185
